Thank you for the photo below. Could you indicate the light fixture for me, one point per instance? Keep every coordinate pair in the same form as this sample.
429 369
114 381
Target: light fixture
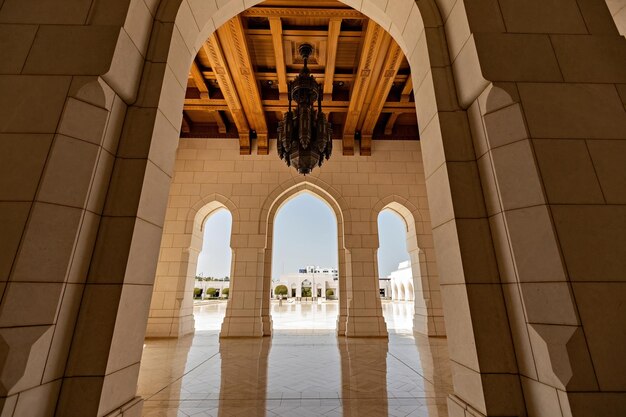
304 135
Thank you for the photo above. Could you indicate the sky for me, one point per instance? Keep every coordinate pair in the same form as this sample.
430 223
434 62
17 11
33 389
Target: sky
305 233
215 257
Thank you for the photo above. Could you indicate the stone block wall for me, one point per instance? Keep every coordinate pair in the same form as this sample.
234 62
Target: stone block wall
210 173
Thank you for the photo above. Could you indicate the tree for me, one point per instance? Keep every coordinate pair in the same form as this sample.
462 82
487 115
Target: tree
281 290
329 292
211 292
306 292
225 292
197 292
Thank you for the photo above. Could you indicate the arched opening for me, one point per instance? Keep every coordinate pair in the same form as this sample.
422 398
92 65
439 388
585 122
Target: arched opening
305 259
213 271
133 212
406 237
394 269
195 258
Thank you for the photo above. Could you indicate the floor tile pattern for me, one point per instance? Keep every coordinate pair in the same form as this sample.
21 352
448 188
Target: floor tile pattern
295 373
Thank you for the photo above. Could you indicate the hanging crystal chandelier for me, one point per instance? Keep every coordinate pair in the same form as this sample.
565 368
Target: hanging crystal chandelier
304 135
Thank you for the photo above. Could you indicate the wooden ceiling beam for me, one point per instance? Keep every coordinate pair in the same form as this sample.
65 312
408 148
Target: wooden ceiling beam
405 96
233 39
265 76
281 106
383 85
276 28
306 12
214 52
373 39
198 80
406 91
221 124
297 34
334 28
390 123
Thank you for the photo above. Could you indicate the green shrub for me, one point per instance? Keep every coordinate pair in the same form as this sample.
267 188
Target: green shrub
306 292
197 292
211 292
225 292
329 292
281 290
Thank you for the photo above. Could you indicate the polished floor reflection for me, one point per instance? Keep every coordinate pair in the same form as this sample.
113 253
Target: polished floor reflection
296 373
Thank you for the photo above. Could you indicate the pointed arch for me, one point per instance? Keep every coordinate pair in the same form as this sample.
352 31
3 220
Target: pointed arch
425 289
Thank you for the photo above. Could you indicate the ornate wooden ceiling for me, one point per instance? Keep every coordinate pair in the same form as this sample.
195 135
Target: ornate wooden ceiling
238 81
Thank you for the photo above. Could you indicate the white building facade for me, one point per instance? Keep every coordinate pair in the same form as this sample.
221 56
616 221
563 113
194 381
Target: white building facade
310 281
401 283
218 285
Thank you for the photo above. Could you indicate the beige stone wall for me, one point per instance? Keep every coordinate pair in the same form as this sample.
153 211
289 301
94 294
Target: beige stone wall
90 106
210 173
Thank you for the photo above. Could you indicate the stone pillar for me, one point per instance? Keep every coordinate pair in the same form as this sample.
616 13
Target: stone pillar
171 308
344 271
364 310
549 138
243 313
428 316
266 306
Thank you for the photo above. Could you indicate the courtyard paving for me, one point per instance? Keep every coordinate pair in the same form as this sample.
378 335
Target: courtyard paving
303 370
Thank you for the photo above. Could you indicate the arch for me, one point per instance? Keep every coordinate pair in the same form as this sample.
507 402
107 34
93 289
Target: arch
410 296
424 289
156 104
290 188
276 199
193 23
203 208
171 309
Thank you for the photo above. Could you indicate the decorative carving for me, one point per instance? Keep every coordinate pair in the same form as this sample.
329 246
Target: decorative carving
216 57
303 12
237 55
383 85
372 42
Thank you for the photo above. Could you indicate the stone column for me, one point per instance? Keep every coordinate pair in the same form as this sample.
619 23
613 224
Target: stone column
266 305
549 138
171 308
243 313
428 316
364 310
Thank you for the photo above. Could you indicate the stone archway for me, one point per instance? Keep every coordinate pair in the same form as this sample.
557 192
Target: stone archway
354 317
425 291
122 81
171 309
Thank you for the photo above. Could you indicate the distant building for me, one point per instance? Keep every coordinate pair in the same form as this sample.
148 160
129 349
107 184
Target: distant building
401 283
218 285
313 280
398 286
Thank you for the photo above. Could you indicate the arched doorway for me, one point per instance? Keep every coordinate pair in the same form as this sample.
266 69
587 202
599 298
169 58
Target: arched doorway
305 256
172 306
213 271
95 109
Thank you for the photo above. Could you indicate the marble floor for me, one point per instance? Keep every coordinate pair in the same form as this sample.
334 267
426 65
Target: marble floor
303 370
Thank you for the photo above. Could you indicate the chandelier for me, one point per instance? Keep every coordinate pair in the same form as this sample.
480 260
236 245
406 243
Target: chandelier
304 135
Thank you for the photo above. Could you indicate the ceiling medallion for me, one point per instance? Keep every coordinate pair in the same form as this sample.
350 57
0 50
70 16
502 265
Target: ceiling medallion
305 135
